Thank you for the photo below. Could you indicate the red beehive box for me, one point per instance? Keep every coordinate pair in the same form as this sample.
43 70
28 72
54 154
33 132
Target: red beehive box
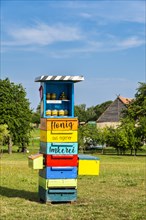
61 160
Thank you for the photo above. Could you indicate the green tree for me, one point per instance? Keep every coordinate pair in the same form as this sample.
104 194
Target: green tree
132 134
15 112
90 114
117 138
36 116
4 134
103 135
134 120
87 136
139 109
80 112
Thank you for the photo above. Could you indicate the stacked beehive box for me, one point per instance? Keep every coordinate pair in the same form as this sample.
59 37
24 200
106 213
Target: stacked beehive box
58 161
58 179
58 139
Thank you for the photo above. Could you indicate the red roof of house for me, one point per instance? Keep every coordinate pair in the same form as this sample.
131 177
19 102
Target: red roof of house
126 101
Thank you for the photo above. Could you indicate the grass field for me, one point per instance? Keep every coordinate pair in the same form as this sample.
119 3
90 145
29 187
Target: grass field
118 193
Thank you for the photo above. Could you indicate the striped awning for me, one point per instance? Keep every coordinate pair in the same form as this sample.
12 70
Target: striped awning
59 78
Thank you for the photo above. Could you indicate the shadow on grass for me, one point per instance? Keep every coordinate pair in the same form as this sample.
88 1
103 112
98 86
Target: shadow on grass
13 193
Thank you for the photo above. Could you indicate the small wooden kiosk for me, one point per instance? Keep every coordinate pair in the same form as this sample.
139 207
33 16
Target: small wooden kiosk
61 163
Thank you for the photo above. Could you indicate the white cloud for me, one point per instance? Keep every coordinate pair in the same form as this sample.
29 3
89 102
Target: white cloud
131 42
85 15
36 39
92 46
42 34
115 11
127 11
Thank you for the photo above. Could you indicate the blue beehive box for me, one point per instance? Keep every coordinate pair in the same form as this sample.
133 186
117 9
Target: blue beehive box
57 195
59 173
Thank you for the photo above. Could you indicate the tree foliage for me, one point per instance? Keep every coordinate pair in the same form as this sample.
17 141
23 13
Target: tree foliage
87 136
80 112
103 134
15 112
134 120
117 138
36 116
92 113
130 135
4 133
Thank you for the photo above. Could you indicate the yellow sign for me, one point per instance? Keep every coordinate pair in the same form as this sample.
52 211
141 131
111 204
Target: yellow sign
58 136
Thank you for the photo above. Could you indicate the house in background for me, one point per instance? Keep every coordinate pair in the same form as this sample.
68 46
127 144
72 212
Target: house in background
111 116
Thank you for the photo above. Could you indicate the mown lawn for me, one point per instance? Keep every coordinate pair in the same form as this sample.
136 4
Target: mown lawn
118 193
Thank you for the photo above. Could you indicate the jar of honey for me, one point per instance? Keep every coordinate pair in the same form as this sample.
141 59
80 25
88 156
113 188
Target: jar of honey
65 112
54 112
61 112
48 96
53 96
48 112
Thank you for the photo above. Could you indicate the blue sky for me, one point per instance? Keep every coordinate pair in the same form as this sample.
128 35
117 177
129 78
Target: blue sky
102 40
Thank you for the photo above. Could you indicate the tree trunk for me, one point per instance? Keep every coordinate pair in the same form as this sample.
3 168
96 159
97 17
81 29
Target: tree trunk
123 151
102 152
24 148
135 152
10 146
131 151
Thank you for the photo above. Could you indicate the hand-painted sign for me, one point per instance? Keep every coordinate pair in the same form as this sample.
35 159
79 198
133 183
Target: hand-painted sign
53 124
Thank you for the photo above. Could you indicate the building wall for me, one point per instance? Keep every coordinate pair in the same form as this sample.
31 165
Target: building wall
107 124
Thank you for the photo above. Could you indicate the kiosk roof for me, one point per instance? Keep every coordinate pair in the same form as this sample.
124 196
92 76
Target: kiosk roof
59 78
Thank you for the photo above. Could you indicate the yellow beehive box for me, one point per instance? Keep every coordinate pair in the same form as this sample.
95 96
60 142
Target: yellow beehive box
58 136
35 161
61 124
88 165
57 183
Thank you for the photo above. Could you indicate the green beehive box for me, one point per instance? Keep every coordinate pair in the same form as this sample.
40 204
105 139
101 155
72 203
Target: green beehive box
35 161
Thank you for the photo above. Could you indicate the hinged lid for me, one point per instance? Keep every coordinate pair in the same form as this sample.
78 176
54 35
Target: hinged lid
34 156
87 157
